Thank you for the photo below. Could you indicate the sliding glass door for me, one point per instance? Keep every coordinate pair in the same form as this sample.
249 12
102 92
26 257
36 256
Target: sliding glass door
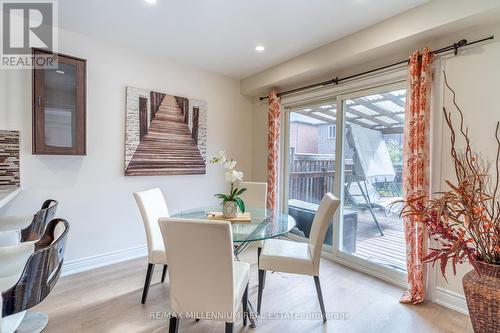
372 169
310 163
350 145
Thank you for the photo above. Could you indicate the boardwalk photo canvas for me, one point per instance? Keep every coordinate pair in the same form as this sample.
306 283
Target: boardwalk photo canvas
165 134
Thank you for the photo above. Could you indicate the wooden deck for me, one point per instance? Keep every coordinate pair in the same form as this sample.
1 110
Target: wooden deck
388 250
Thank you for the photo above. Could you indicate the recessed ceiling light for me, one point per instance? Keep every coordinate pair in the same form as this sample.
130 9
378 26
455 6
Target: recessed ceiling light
151 2
260 48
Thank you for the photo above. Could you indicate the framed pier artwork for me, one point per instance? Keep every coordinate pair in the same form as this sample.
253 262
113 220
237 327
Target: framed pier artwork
165 134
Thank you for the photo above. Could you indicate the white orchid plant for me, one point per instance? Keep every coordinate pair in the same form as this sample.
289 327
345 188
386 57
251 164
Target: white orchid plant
232 176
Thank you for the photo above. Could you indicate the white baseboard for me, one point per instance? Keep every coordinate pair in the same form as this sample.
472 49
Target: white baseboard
86 264
451 300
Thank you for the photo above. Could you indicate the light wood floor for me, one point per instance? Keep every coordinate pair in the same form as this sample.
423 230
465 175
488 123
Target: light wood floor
108 300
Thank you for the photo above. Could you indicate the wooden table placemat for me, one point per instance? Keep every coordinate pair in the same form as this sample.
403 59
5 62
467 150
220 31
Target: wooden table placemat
241 218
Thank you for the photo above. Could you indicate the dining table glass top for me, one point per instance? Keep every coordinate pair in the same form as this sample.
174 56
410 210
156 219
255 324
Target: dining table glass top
264 223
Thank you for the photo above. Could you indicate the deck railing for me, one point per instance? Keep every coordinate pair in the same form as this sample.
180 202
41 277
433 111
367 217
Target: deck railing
156 99
184 106
312 175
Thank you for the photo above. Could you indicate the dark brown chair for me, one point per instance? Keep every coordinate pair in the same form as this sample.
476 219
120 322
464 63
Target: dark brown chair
37 227
24 228
40 274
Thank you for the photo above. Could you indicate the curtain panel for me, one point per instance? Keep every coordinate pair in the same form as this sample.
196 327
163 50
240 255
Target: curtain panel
273 145
416 168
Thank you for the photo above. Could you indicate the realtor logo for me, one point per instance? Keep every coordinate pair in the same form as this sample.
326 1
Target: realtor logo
27 25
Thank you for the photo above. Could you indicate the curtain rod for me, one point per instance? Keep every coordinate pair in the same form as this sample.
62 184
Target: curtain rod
336 81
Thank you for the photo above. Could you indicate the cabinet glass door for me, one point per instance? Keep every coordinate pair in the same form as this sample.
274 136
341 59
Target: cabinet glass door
59 107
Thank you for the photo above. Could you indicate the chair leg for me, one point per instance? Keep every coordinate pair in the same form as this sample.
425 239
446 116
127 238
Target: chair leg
262 277
147 283
164 273
173 326
229 328
320 297
259 250
245 306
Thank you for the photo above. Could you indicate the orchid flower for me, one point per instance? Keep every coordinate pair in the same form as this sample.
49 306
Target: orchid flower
231 176
229 165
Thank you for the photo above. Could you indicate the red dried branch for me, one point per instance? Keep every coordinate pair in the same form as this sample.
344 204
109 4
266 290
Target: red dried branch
468 150
497 167
465 220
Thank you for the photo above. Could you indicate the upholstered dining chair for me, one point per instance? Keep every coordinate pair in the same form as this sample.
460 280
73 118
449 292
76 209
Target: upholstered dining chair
255 197
299 258
23 228
152 206
204 277
28 273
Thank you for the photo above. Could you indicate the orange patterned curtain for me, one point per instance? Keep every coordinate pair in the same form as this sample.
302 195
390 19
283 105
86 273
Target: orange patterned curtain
273 145
416 168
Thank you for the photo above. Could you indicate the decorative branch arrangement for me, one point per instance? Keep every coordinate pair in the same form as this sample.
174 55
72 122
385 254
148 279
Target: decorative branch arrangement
464 221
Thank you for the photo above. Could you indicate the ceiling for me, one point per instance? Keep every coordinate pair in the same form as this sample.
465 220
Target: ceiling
221 35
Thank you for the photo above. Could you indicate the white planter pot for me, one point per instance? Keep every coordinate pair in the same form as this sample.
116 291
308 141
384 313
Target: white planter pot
229 209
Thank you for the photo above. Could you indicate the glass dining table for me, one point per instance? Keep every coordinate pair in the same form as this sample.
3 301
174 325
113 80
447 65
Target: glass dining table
264 224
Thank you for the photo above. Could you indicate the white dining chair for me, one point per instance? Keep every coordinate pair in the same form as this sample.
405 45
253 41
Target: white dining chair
299 258
255 198
204 278
152 206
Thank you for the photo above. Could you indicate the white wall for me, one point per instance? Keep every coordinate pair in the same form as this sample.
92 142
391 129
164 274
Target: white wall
3 101
259 153
475 76
94 195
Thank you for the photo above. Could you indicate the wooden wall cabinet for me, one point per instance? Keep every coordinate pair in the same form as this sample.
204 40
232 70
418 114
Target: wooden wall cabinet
59 105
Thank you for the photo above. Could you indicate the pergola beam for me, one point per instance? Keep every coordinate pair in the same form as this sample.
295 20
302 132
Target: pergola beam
378 109
391 130
362 115
379 124
395 99
317 117
331 121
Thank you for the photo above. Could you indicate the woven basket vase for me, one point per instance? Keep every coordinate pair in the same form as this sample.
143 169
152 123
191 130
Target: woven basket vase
482 292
